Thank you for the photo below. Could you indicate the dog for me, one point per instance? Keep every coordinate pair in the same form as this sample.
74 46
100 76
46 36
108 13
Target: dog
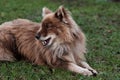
57 42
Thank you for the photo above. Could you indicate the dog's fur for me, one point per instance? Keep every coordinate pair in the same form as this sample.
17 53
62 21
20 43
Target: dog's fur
59 42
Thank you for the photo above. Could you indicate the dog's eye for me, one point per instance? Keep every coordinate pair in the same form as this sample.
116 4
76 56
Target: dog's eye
48 26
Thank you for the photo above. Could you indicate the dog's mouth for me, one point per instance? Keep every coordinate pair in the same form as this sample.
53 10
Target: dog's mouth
46 42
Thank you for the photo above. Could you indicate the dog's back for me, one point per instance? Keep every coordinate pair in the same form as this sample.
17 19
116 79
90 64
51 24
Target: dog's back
12 33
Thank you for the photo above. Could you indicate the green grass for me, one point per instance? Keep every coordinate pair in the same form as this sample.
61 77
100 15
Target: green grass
100 21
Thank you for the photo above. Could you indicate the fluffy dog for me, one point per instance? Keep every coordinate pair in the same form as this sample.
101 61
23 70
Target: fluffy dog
56 42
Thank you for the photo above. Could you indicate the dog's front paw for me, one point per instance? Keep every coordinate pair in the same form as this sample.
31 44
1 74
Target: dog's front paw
94 72
87 72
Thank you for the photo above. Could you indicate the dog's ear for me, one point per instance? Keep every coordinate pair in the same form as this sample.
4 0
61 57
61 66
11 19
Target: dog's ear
61 14
45 11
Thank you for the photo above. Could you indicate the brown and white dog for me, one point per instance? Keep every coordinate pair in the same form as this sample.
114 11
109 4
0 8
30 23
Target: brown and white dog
56 42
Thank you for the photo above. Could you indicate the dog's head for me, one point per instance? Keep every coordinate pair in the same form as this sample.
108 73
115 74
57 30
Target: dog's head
55 27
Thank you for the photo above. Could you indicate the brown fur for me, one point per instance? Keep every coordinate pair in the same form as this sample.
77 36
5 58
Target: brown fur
66 51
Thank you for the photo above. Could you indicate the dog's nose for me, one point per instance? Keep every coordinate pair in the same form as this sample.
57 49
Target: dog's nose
37 36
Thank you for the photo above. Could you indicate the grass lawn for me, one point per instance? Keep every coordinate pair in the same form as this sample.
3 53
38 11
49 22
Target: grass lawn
100 21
